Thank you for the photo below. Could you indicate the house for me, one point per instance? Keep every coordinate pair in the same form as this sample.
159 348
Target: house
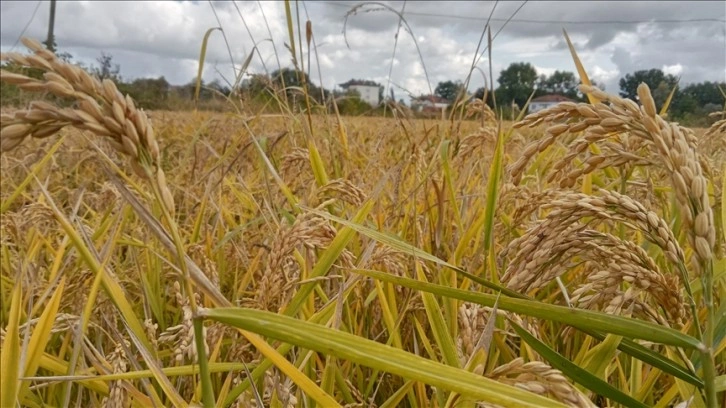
546 101
429 103
369 91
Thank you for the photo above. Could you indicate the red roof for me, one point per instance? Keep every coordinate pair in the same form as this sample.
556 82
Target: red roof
552 98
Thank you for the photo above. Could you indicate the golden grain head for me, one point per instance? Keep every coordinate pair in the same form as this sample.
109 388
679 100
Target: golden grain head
594 209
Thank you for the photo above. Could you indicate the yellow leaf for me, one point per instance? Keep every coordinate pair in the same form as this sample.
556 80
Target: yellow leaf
41 333
11 353
580 69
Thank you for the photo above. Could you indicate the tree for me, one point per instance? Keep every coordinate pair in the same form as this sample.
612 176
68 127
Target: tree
292 78
52 46
653 78
682 105
693 102
349 104
185 92
479 93
107 69
448 90
64 56
660 93
217 86
149 93
289 77
256 84
516 83
560 82
705 92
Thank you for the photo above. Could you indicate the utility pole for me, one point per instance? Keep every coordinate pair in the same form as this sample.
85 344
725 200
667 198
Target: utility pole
49 43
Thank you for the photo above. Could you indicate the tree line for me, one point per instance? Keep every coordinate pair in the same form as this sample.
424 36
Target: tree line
149 93
691 103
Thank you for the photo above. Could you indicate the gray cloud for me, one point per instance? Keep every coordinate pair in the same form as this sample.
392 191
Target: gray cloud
163 38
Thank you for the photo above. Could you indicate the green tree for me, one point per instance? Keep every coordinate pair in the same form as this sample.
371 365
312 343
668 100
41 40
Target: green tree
292 79
516 83
653 78
219 87
561 83
692 103
149 93
349 103
705 92
448 90
255 86
479 93
52 46
289 77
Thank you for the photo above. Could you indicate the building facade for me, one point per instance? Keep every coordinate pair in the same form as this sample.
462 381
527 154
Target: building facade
546 101
369 91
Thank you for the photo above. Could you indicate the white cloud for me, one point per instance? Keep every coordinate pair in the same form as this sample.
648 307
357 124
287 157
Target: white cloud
396 62
606 77
545 71
326 62
674 70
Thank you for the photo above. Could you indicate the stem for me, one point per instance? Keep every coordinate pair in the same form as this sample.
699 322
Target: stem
709 364
709 375
207 390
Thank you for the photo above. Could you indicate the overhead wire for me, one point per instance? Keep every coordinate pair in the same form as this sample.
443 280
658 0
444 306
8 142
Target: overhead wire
32 17
533 21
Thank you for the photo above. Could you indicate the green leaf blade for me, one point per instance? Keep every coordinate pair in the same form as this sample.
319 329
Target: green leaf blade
584 319
375 355
579 375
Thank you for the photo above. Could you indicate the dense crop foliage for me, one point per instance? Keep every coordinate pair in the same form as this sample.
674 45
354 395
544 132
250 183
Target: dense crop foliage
575 257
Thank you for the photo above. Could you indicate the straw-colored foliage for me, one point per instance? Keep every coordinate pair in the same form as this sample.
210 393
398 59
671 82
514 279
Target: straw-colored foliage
126 236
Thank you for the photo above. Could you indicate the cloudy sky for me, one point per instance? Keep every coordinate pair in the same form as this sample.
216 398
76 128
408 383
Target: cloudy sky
150 39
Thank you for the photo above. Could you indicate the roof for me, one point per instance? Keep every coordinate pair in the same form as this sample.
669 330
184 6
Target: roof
430 98
552 98
363 82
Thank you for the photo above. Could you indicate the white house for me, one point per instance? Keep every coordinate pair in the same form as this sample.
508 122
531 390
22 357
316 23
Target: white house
369 91
546 101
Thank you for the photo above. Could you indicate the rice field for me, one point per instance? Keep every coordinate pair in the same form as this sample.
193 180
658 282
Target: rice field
573 257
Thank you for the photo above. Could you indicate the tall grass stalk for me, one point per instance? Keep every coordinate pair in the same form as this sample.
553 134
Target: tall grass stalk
572 258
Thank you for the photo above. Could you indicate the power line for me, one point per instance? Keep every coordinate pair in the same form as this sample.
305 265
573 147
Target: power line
26 26
530 21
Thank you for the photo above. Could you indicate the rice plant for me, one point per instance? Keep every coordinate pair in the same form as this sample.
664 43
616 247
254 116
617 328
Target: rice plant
574 257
